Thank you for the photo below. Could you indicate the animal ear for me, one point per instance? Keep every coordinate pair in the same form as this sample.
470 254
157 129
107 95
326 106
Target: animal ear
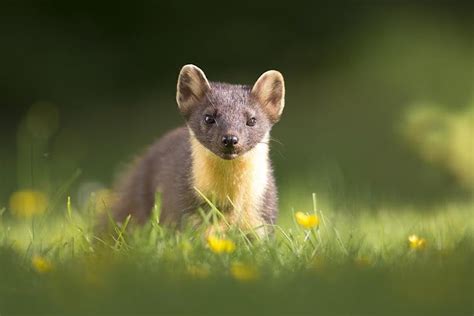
269 91
191 88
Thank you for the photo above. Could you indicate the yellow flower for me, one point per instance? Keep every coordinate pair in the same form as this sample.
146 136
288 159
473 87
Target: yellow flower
362 262
318 264
307 221
41 265
28 203
219 245
243 272
198 272
93 279
416 243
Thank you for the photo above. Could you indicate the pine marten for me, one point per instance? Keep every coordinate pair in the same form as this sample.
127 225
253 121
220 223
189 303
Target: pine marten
222 153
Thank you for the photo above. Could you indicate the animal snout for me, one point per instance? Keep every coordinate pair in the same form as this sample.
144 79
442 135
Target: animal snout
230 141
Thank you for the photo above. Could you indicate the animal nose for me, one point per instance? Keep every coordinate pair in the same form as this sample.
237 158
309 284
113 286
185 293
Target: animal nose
230 140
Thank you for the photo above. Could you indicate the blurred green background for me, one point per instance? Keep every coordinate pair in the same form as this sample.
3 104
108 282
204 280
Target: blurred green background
379 109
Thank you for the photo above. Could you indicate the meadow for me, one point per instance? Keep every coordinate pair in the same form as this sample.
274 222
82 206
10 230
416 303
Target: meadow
319 261
373 158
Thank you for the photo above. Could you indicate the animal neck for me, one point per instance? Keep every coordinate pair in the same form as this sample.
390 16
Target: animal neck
233 185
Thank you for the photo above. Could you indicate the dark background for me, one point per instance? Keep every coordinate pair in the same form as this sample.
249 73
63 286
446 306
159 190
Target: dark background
87 85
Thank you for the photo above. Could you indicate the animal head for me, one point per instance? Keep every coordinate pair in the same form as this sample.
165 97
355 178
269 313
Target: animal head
229 119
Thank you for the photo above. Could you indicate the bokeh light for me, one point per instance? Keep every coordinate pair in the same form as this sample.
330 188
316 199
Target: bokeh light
28 203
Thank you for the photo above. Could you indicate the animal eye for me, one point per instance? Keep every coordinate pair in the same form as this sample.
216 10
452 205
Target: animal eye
252 122
209 119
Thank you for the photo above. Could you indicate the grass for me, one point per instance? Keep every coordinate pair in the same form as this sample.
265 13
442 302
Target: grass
351 263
